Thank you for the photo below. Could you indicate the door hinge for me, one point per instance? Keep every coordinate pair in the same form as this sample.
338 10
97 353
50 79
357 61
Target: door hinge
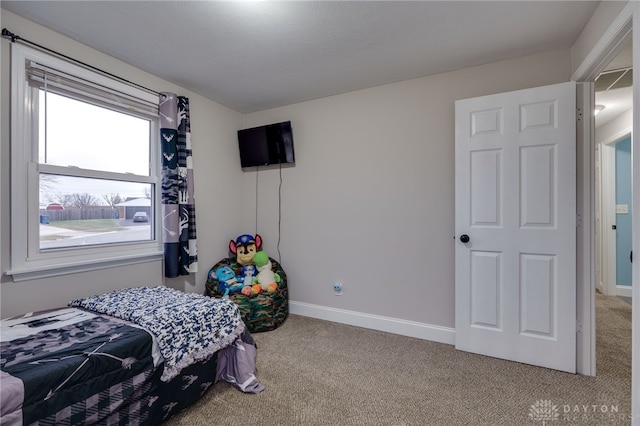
579 114
578 326
578 220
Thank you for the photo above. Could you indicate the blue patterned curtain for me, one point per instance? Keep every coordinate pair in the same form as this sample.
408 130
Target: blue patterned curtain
178 208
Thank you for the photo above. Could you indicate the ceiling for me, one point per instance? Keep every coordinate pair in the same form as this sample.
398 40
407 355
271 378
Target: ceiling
251 56
614 87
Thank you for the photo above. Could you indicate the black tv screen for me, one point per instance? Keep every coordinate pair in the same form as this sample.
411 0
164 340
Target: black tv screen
265 145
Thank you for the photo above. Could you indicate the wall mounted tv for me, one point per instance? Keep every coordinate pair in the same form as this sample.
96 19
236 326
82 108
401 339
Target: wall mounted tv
265 145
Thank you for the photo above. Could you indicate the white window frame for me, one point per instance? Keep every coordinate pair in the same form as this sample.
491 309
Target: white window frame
27 260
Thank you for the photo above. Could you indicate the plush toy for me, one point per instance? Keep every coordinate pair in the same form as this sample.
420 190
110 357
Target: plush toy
245 247
271 288
248 272
265 276
227 280
251 290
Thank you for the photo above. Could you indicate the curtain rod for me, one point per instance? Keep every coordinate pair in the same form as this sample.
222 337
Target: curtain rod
16 38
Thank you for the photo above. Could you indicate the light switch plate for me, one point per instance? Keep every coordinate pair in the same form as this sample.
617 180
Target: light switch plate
622 208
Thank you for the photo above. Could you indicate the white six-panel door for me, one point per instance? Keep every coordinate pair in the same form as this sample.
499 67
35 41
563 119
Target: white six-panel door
516 203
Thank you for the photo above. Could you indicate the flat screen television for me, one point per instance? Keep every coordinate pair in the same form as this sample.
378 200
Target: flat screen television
265 145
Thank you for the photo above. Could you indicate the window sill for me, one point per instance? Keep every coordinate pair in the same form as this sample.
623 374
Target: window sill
37 272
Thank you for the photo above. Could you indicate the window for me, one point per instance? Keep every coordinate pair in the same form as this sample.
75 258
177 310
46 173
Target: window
84 163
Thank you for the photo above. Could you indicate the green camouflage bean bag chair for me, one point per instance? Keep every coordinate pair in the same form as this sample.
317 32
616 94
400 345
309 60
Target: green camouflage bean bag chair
263 305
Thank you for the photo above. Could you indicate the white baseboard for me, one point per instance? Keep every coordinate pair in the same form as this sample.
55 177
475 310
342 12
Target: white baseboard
419 330
624 290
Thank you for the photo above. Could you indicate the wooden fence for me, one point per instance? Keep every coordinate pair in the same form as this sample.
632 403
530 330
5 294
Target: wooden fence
80 213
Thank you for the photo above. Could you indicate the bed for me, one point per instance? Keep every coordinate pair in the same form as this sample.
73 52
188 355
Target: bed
133 356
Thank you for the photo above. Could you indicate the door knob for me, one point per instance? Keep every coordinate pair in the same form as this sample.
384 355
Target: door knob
464 238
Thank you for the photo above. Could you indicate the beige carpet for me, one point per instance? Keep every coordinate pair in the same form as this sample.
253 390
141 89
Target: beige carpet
323 373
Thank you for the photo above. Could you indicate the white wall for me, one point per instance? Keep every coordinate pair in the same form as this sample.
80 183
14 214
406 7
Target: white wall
599 23
217 185
370 201
615 128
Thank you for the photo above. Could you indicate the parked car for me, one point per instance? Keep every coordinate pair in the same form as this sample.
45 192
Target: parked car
141 217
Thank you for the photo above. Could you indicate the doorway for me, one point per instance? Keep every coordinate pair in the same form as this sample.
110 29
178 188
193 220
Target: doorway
613 111
609 44
613 122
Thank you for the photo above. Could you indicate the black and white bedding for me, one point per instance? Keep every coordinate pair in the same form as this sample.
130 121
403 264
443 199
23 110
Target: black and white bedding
134 356
188 327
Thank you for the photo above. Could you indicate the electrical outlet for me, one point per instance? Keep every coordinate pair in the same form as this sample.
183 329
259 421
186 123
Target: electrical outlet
337 288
